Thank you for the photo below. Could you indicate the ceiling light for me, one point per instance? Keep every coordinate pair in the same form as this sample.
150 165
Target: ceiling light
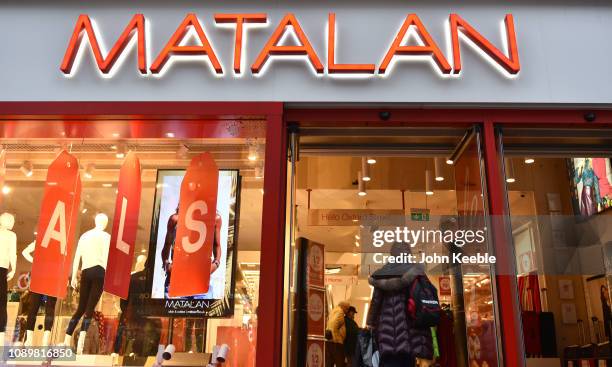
529 160
27 168
357 237
449 161
253 152
107 185
509 167
121 150
6 190
365 169
89 169
170 135
361 185
438 169
84 210
428 183
115 135
335 270
371 160
357 243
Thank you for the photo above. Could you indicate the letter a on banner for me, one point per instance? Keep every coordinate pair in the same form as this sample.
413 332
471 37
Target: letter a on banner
196 225
125 226
56 227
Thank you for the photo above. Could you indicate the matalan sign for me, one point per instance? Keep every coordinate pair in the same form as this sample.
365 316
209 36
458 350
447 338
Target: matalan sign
411 41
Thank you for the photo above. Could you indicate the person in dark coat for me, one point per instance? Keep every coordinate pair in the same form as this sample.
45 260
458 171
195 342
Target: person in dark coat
399 342
352 329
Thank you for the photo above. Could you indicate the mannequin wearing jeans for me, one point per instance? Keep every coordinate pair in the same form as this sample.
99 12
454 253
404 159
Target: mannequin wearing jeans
8 259
35 301
92 250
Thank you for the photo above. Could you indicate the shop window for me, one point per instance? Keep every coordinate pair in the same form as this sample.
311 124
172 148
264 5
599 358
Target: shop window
129 313
560 204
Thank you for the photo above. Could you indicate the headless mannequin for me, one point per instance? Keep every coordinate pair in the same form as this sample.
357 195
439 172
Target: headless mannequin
92 250
8 258
35 301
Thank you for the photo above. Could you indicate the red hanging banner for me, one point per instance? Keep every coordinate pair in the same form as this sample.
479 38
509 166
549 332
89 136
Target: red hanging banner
195 230
56 227
125 227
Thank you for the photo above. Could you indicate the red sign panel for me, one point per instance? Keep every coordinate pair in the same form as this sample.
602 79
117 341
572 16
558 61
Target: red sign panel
316 312
316 265
56 227
315 353
444 286
125 227
195 229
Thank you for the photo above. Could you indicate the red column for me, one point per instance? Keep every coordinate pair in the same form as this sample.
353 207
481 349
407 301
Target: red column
507 290
270 310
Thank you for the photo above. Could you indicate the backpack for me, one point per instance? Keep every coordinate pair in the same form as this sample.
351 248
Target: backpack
423 304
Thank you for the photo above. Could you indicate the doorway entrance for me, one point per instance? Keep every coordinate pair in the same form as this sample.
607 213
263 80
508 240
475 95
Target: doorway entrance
358 200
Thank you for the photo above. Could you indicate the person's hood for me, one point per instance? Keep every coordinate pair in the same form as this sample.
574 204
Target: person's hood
393 277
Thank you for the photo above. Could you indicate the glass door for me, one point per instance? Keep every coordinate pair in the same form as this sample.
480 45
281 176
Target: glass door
367 205
474 287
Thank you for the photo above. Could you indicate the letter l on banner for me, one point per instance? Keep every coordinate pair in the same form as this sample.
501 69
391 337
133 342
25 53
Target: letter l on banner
56 227
125 227
195 229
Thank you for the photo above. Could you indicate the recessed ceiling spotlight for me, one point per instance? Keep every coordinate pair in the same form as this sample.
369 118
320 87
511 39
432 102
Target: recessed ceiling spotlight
27 168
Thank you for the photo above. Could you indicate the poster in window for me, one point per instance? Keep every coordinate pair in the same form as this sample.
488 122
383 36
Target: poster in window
219 300
591 180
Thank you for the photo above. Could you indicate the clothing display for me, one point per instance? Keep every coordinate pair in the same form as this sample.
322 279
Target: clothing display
92 282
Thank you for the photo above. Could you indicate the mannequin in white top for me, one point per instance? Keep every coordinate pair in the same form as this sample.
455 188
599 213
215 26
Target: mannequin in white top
92 251
35 300
8 258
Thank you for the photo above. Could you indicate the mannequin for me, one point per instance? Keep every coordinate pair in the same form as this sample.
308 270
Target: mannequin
92 251
8 258
35 302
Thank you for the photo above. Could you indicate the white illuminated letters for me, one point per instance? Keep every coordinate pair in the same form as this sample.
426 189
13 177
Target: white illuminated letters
59 215
196 226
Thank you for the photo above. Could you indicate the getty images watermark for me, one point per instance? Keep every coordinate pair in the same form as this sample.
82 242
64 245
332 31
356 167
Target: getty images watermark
410 238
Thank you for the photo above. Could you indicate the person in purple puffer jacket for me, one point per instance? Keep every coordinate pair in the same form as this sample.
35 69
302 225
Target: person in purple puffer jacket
399 342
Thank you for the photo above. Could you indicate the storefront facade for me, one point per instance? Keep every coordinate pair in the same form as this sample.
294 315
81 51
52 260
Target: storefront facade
288 99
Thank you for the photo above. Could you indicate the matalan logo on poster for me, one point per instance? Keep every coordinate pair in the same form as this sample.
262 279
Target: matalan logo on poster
192 42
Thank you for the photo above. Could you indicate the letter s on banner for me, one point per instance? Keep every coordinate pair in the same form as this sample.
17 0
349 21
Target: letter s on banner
125 228
56 227
196 219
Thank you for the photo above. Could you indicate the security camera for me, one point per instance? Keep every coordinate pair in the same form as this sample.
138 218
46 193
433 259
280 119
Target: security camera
384 115
590 116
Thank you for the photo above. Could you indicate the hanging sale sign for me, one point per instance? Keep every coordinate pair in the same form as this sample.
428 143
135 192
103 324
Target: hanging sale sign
196 227
56 227
125 227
